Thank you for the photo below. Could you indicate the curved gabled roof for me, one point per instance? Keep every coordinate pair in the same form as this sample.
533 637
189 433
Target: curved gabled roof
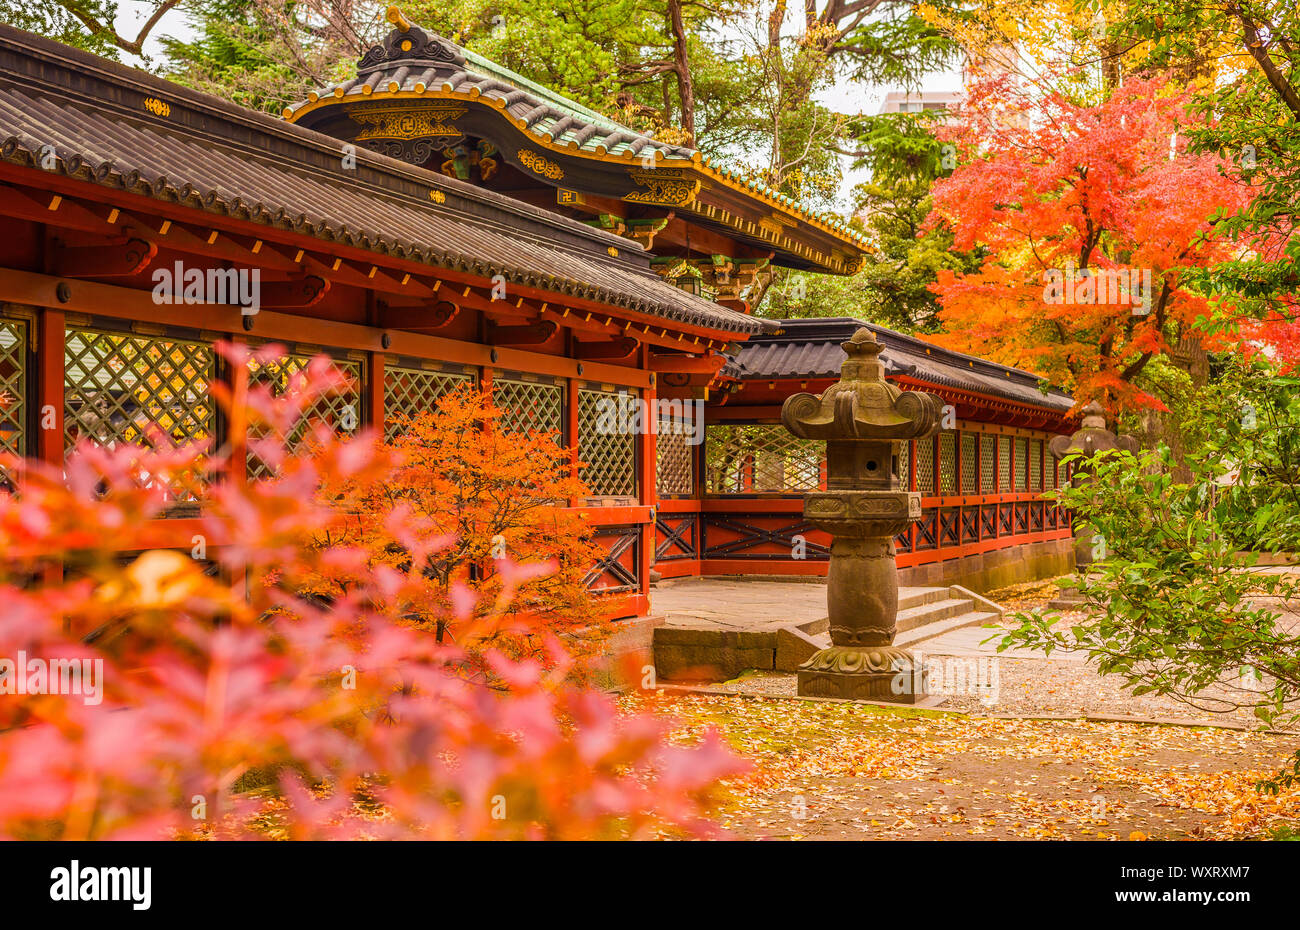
433 63
810 349
412 64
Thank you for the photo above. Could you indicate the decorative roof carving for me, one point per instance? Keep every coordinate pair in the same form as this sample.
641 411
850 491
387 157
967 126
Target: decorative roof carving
408 44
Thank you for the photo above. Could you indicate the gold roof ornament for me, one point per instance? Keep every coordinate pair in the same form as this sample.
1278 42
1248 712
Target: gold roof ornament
397 19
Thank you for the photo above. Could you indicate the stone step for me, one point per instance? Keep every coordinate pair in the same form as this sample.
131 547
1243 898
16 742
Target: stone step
915 597
932 612
931 630
698 646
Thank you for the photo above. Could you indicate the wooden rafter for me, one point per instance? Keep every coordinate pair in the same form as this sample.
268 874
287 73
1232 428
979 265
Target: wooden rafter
112 260
426 318
618 347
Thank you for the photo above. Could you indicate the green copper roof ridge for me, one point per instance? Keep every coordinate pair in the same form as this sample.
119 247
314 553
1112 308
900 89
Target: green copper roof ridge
560 102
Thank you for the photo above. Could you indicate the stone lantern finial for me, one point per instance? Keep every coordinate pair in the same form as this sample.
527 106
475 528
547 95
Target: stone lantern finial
1094 416
863 363
1091 437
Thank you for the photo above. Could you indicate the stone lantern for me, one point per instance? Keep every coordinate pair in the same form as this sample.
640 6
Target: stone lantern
1091 438
862 418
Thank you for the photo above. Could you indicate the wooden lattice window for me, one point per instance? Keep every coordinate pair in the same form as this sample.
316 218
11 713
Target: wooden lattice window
674 457
410 391
339 409
1035 465
947 463
118 388
13 386
988 464
925 466
1022 456
1004 464
969 463
607 441
529 406
760 457
1049 468
905 465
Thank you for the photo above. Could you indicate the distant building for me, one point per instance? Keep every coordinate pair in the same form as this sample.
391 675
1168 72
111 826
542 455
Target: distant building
997 59
901 101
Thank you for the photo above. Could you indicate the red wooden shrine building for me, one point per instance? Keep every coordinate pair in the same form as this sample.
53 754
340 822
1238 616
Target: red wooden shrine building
734 505
459 224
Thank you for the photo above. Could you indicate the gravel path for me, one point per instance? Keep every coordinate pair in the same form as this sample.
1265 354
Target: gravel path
977 681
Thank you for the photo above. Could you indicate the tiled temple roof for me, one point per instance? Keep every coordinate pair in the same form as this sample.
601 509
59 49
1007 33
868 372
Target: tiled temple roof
127 130
810 349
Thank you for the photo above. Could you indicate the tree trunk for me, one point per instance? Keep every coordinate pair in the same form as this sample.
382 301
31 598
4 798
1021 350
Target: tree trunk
682 65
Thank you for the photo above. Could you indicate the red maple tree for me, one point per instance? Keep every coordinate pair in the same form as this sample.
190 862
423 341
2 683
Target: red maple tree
483 502
1089 215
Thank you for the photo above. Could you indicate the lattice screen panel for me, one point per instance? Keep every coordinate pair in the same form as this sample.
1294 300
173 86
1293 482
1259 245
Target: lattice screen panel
1022 454
340 409
606 442
1004 463
1035 465
988 464
13 386
1049 469
969 463
529 406
409 392
947 463
118 386
925 466
760 457
674 468
905 464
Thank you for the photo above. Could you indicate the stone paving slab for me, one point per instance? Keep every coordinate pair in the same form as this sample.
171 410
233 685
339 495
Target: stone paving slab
719 603
969 641
743 604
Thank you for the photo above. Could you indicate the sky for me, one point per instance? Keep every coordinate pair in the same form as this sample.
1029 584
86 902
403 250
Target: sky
856 97
131 15
845 96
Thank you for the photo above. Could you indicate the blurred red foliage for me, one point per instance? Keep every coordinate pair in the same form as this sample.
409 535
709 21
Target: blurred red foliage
225 676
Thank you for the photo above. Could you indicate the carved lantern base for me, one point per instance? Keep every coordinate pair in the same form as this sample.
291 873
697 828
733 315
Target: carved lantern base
862 598
873 673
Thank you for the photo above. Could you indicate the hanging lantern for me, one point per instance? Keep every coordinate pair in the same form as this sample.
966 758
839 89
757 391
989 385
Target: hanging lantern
690 282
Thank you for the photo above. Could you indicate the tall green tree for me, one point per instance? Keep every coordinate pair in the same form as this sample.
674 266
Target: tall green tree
253 54
68 23
893 289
